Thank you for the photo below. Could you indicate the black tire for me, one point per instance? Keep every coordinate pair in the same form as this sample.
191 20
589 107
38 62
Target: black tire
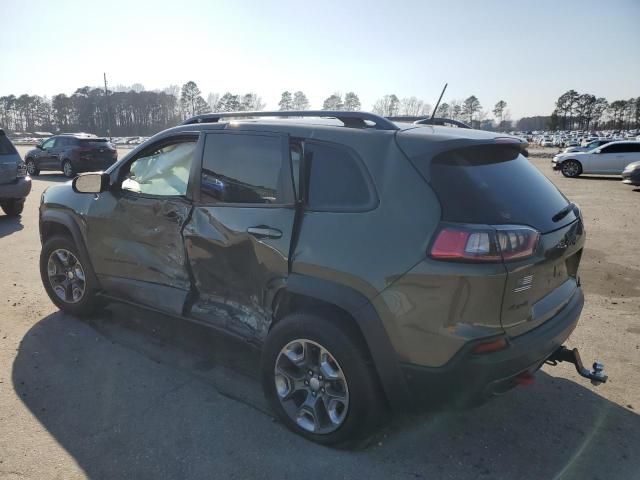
32 168
14 207
86 304
571 168
366 402
67 169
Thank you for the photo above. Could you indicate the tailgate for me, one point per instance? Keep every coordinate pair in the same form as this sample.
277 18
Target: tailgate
539 287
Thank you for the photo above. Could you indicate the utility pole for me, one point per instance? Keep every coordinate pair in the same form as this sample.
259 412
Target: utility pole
106 94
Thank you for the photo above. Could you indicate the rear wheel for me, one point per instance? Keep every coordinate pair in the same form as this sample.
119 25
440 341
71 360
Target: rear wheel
66 277
319 380
571 168
32 169
67 169
14 207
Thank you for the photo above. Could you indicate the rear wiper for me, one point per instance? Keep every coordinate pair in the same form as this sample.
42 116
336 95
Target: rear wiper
564 212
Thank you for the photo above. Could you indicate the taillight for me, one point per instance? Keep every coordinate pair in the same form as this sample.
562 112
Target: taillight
484 244
22 170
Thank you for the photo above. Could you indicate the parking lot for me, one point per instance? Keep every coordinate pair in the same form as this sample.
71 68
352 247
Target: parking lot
133 395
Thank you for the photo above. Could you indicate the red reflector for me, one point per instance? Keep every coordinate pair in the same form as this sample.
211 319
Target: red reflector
525 379
450 243
492 346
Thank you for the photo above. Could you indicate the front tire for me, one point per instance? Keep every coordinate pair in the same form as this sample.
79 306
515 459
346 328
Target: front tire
318 378
13 208
67 277
571 168
67 169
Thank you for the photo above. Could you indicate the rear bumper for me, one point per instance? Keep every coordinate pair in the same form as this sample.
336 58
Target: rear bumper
470 379
19 188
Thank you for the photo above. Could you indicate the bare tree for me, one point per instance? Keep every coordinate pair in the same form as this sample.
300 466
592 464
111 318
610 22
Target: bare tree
387 106
300 101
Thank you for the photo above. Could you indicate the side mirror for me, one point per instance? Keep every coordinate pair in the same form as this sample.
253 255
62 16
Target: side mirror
39 146
90 182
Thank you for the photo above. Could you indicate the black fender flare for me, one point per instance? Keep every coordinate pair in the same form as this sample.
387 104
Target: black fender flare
66 219
383 354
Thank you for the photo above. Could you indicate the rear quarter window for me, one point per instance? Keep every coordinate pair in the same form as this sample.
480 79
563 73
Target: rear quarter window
337 179
6 147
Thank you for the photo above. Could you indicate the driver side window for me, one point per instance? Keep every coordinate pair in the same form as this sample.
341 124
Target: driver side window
163 171
48 144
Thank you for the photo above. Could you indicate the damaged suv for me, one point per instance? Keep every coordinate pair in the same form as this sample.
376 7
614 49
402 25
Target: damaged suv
377 265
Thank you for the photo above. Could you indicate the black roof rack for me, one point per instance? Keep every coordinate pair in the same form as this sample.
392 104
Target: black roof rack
429 121
349 119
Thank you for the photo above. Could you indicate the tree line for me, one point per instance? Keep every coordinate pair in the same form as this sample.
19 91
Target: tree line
576 111
132 110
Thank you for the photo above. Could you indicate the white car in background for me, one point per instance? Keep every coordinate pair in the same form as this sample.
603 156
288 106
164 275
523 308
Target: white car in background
590 146
609 159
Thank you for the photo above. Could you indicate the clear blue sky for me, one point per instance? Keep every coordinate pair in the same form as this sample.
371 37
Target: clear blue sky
525 52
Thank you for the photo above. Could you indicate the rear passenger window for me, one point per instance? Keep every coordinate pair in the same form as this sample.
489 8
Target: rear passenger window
244 169
337 180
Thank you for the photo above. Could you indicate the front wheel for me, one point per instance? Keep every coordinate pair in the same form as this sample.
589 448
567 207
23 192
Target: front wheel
67 277
318 377
571 168
67 169
13 208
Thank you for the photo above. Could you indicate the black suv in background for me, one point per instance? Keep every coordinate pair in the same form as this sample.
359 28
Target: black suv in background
71 154
374 264
15 185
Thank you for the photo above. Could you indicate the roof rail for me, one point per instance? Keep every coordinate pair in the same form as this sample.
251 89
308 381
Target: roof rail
429 121
349 119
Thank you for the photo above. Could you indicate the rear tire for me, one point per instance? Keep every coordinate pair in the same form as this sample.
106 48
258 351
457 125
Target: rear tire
330 394
13 208
67 277
67 169
571 168
32 169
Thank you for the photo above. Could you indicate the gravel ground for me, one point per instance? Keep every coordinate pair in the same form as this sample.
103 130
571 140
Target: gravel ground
132 395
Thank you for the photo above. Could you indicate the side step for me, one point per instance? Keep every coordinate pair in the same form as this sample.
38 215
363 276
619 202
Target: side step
563 354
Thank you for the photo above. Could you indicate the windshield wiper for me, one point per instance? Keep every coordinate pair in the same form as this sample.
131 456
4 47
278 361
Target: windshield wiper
564 212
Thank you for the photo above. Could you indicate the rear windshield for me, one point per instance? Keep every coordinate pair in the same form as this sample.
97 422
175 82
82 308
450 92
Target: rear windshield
6 147
495 185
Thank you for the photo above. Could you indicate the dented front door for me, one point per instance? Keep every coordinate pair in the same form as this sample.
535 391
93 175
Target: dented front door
134 229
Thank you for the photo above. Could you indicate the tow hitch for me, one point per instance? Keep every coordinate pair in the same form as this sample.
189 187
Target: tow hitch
563 354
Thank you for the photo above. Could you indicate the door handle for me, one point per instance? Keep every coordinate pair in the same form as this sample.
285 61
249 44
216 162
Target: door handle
264 232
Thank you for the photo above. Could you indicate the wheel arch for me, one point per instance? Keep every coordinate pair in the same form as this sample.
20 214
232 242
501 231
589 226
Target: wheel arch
54 222
304 292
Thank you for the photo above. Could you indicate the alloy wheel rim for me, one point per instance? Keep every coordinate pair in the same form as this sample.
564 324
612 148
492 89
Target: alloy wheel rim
67 169
66 276
311 386
31 168
571 168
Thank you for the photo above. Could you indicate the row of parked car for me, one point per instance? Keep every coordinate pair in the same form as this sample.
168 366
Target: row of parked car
580 138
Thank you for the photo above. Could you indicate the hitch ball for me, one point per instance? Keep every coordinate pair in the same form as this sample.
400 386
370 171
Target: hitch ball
597 377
